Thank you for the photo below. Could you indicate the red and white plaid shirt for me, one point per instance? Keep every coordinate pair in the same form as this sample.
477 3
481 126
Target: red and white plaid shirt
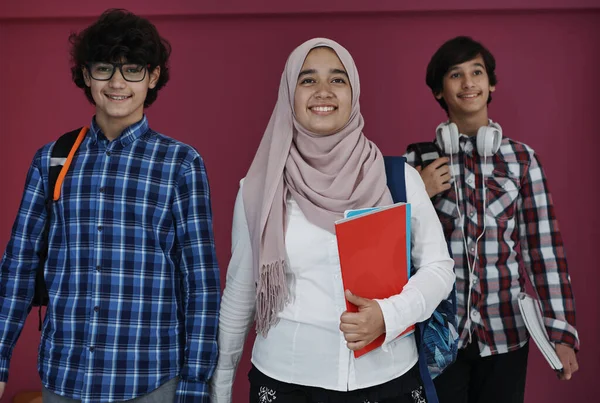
521 233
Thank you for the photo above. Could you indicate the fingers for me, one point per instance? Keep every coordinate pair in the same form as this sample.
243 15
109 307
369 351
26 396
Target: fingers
354 346
436 176
445 177
353 337
570 367
351 318
569 361
437 183
357 300
574 365
438 163
349 327
444 169
566 374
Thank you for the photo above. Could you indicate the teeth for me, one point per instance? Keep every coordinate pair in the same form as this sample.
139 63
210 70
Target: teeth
323 108
469 96
117 98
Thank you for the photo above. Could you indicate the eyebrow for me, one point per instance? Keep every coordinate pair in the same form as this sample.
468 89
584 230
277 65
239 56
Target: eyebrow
455 67
313 71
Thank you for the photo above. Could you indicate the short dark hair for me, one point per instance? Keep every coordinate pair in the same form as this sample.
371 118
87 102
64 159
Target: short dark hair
120 35
456 51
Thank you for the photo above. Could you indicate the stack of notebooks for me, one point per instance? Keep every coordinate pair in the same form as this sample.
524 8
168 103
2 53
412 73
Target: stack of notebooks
532 316
374 250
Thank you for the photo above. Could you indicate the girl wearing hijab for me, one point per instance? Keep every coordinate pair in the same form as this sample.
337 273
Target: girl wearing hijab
313 163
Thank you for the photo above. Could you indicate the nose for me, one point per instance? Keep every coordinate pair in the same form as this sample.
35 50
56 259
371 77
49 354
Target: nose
468 81
323 90
117 80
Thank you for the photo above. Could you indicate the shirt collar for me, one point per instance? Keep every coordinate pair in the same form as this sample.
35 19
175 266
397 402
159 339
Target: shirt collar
127 136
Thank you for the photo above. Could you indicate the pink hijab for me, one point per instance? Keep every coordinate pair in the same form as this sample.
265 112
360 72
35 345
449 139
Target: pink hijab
325 175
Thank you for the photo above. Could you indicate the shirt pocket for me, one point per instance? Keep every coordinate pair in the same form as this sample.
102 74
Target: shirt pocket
501 196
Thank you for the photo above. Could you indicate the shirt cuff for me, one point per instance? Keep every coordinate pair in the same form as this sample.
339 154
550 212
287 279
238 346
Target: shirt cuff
191 392
4 363
390 319
562 332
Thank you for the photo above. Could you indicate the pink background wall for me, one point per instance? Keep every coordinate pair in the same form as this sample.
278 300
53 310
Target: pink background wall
226 63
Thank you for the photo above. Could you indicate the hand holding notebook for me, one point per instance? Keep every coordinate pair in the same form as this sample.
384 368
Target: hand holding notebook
534 321
364 326
374 251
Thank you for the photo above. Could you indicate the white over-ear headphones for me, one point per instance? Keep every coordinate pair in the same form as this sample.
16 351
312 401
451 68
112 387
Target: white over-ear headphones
489 138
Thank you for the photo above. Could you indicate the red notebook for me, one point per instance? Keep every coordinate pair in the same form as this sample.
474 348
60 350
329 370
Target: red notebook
374 250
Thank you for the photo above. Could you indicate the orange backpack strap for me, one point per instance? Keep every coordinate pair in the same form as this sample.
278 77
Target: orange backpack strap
71 143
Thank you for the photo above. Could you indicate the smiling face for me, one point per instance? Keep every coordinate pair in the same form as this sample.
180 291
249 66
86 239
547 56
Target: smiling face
323 96
466 89
120 102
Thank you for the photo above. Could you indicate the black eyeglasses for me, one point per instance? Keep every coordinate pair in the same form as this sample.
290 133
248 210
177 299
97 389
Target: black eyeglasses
103 71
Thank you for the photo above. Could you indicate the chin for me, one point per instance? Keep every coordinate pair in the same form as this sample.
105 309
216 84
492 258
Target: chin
470 109
118 115
324 132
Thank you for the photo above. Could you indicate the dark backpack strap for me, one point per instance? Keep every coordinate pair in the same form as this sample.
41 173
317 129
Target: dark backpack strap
396 182
60 151
428 385
394 170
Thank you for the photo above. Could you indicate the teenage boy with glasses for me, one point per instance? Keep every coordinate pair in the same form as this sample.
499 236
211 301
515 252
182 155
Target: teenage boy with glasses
131 272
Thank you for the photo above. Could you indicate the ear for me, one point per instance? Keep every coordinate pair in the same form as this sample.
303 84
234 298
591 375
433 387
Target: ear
438 95
154 76
492 88
86 76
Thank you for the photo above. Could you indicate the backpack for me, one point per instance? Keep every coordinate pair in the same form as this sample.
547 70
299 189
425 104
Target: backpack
437 337
60 160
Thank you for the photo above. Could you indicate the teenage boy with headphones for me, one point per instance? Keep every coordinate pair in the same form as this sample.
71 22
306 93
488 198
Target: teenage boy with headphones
503 204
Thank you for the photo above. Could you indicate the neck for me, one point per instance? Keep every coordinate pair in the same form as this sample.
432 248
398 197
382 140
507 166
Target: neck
113 127
470 124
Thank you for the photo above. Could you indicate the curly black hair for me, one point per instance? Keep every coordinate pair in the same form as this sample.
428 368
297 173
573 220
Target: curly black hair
116 36
456 51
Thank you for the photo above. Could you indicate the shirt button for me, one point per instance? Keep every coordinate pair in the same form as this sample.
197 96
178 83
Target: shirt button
471 214
108 153
101 190
96 309
98 268
472 249
92 348
474 314
470 180
100 228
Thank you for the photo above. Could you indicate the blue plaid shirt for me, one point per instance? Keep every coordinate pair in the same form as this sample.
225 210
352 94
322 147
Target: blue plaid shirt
132 272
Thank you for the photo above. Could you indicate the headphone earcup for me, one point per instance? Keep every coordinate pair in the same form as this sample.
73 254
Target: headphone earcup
489 139
447 138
